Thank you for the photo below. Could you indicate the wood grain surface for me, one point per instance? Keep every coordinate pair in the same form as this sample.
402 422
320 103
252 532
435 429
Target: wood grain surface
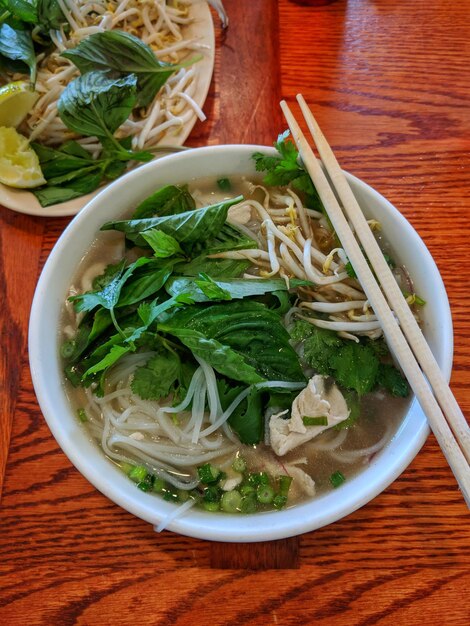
389 84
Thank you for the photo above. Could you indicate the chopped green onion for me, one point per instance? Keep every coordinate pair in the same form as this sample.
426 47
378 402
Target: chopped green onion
126 467
388 259
337 479
249 503
211 506
413 298
284 484
208 473
67 349
82 416
170 495
239 464
224 184
230 501
258 478
144 485
211 494
321 420
247 489
183 495
265 494
159 485
279 501
138 473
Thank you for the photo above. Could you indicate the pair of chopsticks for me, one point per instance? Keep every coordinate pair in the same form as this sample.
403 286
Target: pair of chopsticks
398 323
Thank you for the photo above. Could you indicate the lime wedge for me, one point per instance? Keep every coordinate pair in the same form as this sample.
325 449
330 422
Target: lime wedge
19 164
16 100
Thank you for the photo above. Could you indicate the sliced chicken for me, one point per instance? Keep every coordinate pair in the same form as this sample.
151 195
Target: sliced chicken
318 399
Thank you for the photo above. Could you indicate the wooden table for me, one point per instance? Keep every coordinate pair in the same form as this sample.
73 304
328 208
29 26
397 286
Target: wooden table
389 82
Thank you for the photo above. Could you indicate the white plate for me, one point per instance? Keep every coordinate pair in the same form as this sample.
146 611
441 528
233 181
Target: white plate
202 29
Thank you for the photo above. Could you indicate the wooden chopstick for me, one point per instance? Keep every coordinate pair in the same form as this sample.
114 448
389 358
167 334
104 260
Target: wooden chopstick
397 302
396 339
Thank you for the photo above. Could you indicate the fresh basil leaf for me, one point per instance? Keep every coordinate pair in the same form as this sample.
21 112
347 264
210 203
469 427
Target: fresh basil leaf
96 104
49 14
222 358
163 245
236 288
187 228
156 378
168 200
79 185
228 238
108 296
23 10
110 271
56 162
145 281
124 53
248 329
210 289
217 268
17 45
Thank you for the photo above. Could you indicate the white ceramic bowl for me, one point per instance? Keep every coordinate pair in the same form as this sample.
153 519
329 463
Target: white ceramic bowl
121 197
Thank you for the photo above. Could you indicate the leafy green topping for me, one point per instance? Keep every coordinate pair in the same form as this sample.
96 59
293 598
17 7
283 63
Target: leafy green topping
242 340
230 288
125 54
163 245
17 45
248 418
391 379
211 289
168 200
355 366
108 296
187 228
96 104
156 378
286 168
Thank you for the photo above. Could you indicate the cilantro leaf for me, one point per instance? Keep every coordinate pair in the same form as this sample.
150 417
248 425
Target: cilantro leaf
392 380
286 168
319 345
356 367
155 379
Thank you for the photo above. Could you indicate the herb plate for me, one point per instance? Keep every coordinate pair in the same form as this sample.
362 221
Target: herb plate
202 29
